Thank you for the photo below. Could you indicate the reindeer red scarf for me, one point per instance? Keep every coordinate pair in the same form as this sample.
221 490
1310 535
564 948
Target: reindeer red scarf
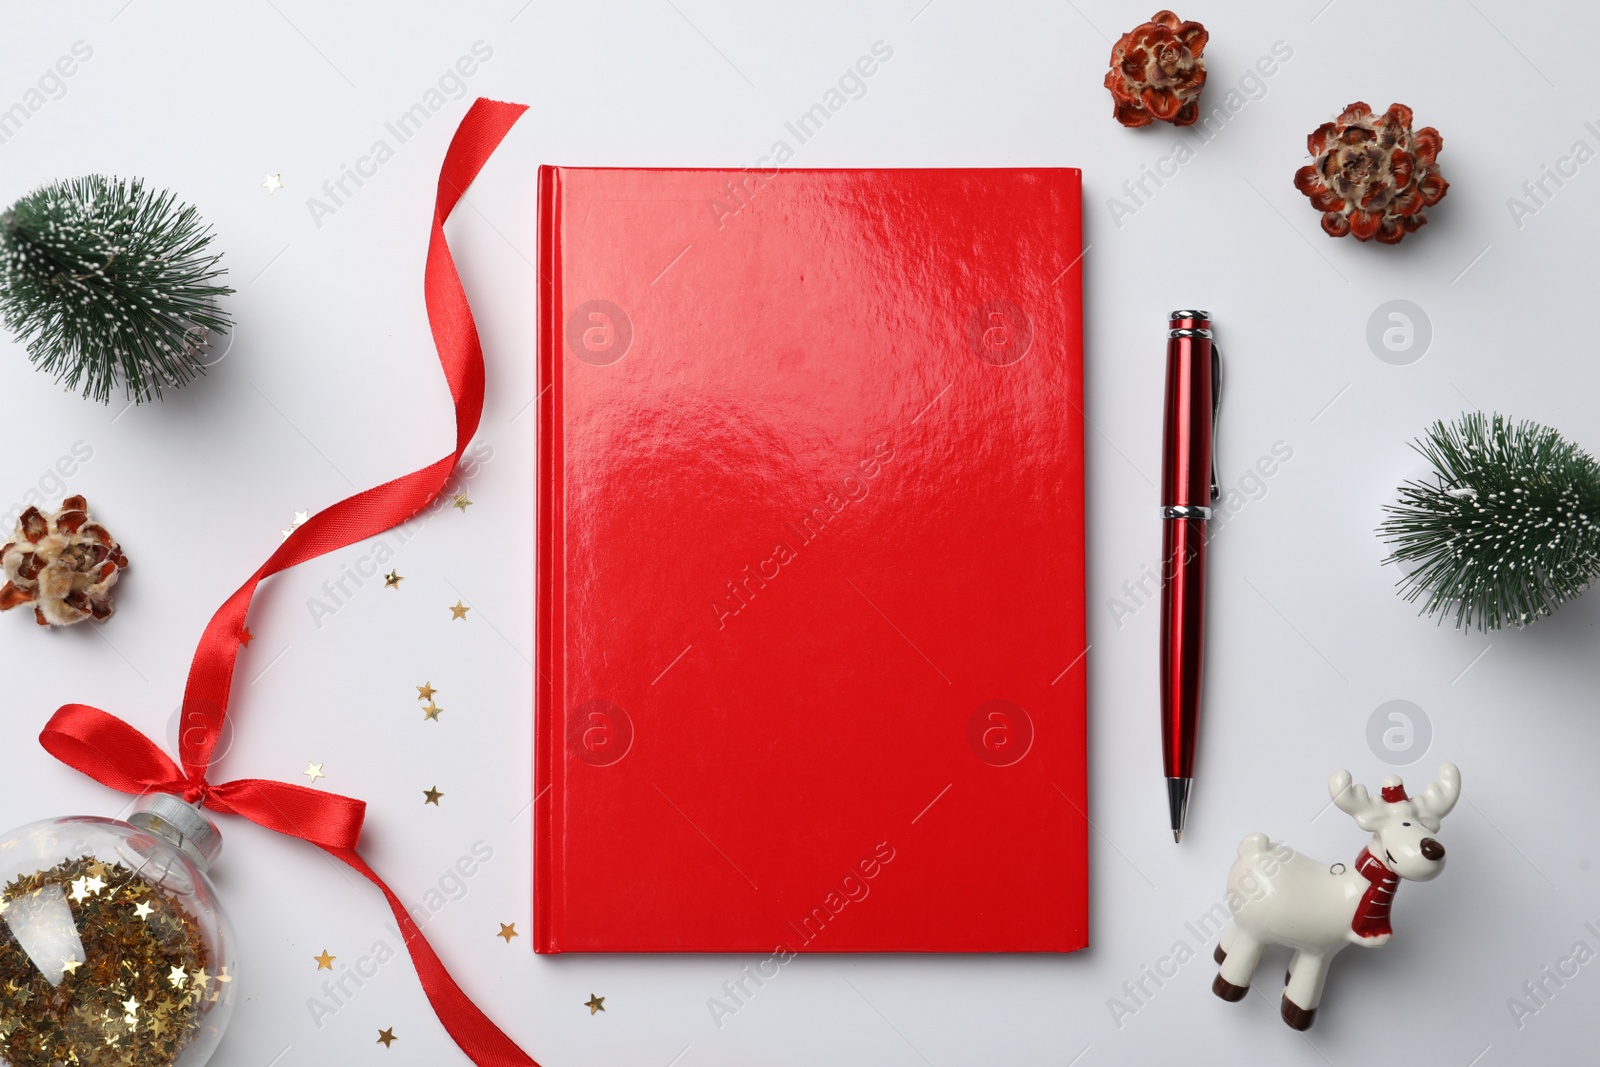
1372 914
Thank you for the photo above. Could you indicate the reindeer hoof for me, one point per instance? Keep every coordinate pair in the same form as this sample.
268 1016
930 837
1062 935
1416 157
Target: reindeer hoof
1228 991
1219 955
1297 1017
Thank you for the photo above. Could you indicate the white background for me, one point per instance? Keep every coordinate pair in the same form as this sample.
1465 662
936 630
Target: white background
331 385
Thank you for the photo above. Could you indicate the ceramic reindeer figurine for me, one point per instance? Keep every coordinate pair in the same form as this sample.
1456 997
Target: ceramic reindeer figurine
1279 897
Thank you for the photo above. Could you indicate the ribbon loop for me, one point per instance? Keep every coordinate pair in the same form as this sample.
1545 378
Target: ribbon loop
113 753
110 751
327 820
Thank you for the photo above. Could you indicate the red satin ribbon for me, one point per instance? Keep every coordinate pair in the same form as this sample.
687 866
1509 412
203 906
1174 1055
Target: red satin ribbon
115 754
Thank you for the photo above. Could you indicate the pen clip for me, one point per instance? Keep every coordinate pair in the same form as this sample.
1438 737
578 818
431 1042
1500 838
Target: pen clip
1216 408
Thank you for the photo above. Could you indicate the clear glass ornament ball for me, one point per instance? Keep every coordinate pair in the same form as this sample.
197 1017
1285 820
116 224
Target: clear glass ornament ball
114 950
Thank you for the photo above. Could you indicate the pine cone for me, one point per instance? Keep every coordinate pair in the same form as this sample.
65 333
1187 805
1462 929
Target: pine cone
63 564
1157 72
1371 175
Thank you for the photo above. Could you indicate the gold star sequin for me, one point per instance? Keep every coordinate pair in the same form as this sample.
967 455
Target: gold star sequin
313 771
143 909
80 889
325 961
386 1037
70 966
507 931
130 1006
300 518
595 1003
462 502
200 977
392 580
432 796
432 711
459 611
178 977
272 183
425 691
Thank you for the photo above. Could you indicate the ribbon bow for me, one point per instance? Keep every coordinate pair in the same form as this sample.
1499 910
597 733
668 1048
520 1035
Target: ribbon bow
115 754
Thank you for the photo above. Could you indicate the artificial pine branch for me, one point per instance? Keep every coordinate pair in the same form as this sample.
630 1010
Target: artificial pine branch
104 281
1506 530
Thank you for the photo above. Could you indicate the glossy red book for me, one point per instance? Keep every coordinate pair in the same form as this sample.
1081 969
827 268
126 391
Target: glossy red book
810 628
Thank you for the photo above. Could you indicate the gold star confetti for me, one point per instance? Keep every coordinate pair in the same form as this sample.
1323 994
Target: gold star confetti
200 977
386 1037
299 519
325 961
392 580
143 909
507 931
459 611
246 637
313 771
178 977
432 796
462 502
116 984
595 1003
425 691
432 711
273 183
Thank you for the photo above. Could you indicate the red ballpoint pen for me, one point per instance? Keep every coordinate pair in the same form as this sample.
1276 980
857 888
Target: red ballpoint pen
1188 486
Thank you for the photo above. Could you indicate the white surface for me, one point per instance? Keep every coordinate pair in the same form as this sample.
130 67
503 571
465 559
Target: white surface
332 386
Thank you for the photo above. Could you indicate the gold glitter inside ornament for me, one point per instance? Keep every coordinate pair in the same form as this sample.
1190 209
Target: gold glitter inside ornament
114 951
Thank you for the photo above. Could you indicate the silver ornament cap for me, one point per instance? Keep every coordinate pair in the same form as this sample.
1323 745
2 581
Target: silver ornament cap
180 824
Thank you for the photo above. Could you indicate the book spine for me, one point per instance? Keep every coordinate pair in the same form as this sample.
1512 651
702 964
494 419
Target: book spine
1074 763
547 791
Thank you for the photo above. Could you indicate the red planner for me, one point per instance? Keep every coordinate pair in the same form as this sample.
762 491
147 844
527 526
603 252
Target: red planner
810 610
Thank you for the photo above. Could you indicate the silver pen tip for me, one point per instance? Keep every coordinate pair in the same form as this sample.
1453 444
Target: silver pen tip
1178 804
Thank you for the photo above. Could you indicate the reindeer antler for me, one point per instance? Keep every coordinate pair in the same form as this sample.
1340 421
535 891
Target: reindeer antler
1354 801
1437 800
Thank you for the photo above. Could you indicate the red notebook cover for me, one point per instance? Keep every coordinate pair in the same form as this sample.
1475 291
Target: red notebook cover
810 627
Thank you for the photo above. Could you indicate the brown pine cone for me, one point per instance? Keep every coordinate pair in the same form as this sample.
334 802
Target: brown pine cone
1157 72
1371 175
62 564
